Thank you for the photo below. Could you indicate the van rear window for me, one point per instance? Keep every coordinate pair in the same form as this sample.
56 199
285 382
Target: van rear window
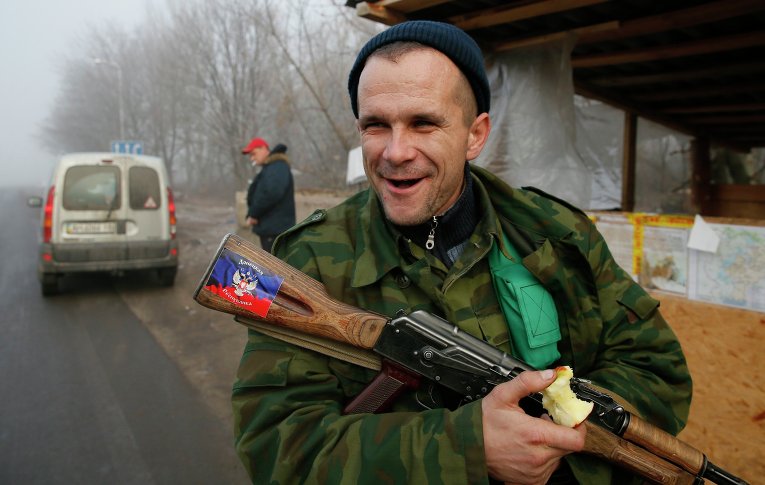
144 188
92 187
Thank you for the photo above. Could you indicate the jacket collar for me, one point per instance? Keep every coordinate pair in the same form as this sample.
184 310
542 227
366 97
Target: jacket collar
527 218
534 215
376 255
275 157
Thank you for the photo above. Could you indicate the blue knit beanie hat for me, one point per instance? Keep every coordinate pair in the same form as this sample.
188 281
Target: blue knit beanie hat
451 41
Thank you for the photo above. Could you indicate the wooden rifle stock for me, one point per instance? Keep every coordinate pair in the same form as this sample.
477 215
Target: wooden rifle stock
301 305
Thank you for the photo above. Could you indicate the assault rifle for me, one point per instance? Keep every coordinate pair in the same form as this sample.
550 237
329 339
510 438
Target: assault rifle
268 295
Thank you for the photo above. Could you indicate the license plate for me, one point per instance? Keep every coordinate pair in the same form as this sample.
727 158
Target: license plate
91 228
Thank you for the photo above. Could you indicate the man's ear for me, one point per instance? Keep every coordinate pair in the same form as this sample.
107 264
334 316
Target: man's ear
477 136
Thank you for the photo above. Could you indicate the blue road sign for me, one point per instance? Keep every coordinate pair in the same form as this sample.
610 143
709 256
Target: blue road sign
128 146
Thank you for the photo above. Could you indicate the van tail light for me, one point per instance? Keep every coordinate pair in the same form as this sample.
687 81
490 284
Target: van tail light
48 215
171 212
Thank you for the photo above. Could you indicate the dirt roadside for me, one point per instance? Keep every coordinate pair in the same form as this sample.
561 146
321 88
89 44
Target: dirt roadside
727 414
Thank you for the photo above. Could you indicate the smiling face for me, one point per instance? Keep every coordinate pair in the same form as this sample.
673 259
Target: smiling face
416 134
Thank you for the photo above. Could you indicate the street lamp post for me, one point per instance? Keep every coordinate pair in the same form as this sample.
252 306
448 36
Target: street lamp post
98 60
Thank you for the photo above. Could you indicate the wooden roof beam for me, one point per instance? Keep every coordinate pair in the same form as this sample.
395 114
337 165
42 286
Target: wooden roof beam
722 108
616 30
555 36
699 47
703 92
611 99
727 119
391 12
671 76
680 126
751 130
504 15
678 19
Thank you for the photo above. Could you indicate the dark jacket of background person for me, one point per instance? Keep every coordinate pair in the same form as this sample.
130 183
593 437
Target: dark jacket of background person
271 195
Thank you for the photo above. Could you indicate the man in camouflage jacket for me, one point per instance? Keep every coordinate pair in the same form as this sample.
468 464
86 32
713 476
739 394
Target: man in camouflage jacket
288 401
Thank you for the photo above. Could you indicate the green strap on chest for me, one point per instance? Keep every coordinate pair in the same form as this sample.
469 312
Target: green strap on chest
528 308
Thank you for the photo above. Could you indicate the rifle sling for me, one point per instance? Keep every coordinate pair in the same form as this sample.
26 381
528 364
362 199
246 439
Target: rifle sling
325 346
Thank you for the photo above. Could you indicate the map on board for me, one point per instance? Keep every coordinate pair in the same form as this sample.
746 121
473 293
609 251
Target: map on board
735 274
665 259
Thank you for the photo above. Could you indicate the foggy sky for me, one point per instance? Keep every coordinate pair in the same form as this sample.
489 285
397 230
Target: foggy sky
34 35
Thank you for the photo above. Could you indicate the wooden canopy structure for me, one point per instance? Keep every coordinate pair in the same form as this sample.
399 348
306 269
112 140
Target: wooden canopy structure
695 66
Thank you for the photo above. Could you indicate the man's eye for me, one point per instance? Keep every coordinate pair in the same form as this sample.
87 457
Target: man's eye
423 123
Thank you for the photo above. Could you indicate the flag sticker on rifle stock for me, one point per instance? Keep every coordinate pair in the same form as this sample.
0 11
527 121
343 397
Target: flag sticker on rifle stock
243 283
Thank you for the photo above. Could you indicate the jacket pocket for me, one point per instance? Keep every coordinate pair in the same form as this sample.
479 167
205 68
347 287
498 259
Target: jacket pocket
537 309
531 316
637 304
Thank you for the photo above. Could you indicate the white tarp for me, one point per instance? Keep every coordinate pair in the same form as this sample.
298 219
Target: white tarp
534 139
355 172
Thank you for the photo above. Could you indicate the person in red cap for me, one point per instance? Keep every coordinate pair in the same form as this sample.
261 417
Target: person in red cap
271 195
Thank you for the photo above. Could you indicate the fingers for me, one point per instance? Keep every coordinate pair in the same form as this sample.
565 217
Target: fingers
543 431
576 443
520 448
526 383
563 439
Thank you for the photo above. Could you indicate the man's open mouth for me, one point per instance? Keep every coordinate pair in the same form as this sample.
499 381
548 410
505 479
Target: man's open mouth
403 184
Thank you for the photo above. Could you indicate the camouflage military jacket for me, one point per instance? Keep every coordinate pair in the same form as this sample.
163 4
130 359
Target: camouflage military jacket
288 401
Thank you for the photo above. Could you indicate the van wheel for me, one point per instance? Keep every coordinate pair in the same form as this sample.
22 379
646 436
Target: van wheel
166 276
49 284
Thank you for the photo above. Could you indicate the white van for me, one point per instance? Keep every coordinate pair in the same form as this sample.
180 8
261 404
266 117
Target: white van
108 212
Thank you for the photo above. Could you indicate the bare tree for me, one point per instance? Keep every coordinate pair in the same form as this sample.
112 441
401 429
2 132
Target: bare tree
227 60
317 55
197 84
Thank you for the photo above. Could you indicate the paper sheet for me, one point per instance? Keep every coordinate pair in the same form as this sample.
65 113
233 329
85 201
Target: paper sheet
703 237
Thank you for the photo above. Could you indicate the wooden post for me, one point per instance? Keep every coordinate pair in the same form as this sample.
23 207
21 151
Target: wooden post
628 162
700 174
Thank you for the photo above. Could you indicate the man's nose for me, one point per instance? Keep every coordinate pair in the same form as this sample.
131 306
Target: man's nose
399 147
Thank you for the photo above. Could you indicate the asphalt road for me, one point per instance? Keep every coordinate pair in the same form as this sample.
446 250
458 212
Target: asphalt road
87 393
